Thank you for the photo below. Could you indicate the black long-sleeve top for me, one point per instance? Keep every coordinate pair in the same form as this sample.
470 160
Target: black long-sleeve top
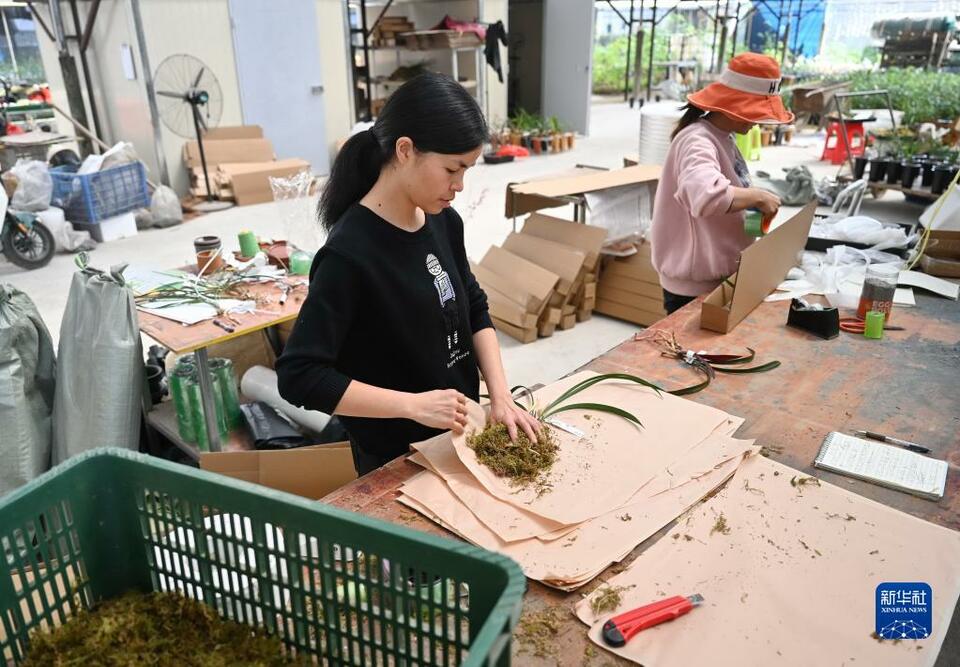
390 308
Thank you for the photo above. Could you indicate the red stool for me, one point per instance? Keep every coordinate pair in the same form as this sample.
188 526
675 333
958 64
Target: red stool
834 148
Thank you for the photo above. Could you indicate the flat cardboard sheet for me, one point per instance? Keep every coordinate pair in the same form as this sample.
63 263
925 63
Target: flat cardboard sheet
793 582
762 267
588 475
543 193
233 132
504 285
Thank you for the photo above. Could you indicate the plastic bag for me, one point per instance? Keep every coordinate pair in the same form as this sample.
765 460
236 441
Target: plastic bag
27 385
34 186
66 237
101 384
296 209
165 207
121 153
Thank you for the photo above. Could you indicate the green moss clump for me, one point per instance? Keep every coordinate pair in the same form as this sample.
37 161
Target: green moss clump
523 463
154 629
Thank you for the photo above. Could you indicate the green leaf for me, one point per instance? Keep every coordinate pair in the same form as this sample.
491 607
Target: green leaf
769 366
589 382
693 389
746 359
595 407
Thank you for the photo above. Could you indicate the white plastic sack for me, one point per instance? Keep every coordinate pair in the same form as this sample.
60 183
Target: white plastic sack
165 207
27 380
861 229
66 237
34 186
101 380
625 212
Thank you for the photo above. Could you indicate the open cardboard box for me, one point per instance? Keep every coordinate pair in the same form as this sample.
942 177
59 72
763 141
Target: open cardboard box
534 195
762 267
587 238
311 472
942 254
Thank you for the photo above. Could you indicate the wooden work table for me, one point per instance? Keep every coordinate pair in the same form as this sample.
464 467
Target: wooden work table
907 385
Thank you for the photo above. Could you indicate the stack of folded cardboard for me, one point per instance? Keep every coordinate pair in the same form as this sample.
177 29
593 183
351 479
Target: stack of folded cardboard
542 278
629 288
593 514
240 162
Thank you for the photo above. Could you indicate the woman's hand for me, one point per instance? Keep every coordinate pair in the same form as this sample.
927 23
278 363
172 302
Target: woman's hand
504 411
765 201
444 409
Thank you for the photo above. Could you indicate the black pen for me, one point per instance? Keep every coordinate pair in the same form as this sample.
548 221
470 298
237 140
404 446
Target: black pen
906 444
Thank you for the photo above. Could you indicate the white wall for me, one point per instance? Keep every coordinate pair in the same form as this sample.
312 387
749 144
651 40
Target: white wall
200 28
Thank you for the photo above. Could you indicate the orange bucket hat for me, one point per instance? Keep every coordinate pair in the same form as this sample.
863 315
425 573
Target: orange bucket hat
748 90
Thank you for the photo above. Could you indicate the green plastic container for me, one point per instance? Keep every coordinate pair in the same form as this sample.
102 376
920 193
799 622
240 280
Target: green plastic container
343 587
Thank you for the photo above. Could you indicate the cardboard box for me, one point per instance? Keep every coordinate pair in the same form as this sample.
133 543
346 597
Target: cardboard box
228 151
589 290
635 315
251 182
535 280
587 238
311 472
584 315
567 322
521 334
636 267
631 299
762 267
546 329
563 260
551 316
232 132
549 192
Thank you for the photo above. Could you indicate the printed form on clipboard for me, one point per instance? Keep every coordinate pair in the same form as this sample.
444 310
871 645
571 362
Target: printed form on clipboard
883 464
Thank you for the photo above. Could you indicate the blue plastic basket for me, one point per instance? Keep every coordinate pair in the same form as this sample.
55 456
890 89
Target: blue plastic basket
100 195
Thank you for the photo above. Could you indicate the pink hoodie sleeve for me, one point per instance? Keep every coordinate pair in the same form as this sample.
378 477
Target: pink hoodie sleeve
701 187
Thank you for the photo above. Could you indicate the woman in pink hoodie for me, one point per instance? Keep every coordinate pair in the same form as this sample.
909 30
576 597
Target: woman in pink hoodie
698 214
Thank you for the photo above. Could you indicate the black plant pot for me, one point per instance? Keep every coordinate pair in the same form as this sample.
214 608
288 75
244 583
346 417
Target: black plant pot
155 380
942 176
859 166
878 169
893 172
909 171
928 167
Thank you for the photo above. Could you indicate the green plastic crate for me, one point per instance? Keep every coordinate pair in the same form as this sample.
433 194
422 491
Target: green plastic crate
343 587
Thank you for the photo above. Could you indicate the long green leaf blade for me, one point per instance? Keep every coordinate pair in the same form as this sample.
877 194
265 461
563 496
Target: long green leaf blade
769 366
589 382
596 407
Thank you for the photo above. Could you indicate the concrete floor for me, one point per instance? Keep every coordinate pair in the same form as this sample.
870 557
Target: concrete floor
614 132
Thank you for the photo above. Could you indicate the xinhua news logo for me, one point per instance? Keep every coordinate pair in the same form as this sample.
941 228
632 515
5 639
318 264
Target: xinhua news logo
904 610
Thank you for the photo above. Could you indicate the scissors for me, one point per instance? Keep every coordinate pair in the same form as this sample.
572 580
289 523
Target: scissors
856 325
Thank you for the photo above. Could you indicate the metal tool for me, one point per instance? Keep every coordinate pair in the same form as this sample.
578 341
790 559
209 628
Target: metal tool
906 444
618 630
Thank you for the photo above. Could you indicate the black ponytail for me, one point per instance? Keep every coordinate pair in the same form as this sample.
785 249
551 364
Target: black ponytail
691 114
433 110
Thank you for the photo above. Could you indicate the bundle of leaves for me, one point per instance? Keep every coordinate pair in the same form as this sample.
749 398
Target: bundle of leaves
154 629
523 462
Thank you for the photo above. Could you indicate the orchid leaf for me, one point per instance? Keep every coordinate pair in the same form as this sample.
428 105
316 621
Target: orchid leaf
596 407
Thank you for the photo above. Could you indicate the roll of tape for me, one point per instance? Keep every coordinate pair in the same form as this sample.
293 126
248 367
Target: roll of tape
248 243
756 224
873 325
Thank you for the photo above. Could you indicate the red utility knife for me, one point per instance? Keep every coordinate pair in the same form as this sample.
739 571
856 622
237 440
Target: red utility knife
619 629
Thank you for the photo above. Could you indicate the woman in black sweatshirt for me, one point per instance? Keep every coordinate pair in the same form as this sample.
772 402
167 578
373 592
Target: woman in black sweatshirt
395 326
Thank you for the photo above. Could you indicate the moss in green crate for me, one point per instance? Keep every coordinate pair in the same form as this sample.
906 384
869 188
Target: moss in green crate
523 462
155 629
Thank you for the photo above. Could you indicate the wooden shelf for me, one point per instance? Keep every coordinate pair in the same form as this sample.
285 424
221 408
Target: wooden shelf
163 417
